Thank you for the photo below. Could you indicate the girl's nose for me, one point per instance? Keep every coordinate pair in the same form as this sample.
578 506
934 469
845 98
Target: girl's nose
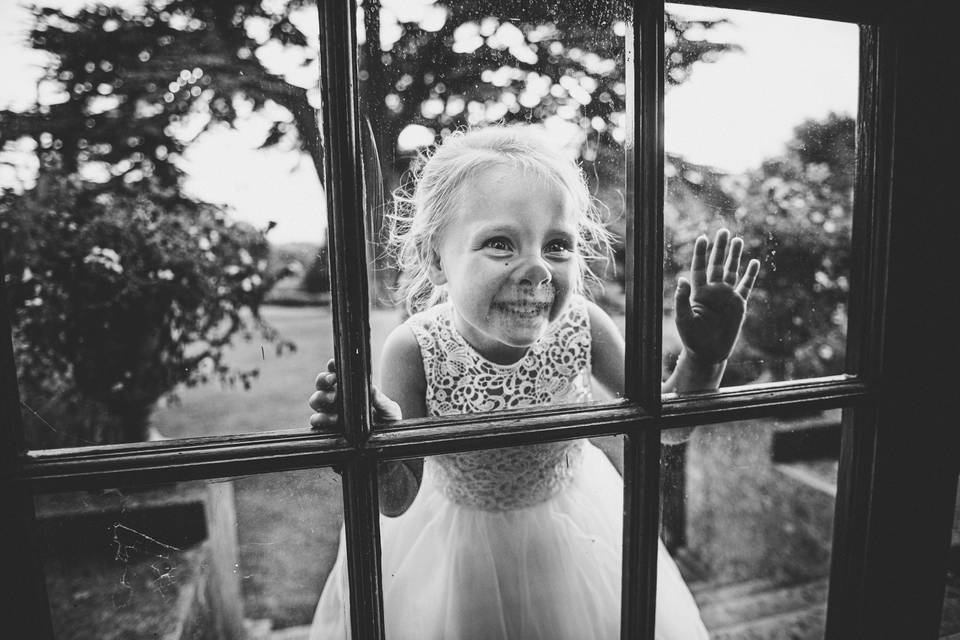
533 273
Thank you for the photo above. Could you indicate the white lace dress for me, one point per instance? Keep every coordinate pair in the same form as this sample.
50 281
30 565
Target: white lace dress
516 543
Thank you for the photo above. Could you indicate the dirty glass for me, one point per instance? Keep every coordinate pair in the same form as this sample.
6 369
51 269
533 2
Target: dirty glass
950 618
519 542
231 558
747 515
759 137
163 217
431 70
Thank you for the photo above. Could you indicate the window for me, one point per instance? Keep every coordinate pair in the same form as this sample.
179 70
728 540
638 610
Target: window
895 470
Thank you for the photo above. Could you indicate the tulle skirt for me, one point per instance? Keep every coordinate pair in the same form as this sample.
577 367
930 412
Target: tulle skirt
546 572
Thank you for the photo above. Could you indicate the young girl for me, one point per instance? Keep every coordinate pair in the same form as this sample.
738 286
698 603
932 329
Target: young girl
523 542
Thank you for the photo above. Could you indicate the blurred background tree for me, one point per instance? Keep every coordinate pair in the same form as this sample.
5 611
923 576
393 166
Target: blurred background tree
794 213
126 90
797 213
428 70
120 295
123 287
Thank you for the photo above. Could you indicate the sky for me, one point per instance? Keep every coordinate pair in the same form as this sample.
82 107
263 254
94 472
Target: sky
734 113
730 114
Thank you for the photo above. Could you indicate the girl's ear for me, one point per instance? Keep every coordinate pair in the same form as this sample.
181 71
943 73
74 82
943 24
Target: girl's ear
437 276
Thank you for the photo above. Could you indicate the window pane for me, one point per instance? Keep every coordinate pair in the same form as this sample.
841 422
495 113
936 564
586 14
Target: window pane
748 513
760 139
503 225
163 218
950 620
522 542
215 559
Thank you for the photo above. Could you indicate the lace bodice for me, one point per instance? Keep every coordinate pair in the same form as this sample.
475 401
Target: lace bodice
555 370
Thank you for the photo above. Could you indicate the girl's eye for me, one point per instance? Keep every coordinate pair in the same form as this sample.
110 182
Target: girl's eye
558 248
498 244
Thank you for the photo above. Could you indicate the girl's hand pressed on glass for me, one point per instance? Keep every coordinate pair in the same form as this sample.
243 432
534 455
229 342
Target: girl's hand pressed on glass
324 402
710 309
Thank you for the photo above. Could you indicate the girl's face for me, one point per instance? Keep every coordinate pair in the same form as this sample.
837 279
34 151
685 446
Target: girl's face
508 260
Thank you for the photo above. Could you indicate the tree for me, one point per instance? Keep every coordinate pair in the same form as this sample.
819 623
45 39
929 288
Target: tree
119 296
127 89
122 287
797 212
561 60
794 212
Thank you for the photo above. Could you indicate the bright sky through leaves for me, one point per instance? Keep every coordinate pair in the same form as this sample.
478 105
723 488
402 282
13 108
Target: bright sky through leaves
730 114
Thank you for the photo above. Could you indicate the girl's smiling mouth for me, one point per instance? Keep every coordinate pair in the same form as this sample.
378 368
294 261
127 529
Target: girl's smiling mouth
525 302
524 308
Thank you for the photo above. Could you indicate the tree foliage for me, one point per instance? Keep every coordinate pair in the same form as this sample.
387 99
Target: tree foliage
115 294
797 212
794 212
118 296
126 90
509 60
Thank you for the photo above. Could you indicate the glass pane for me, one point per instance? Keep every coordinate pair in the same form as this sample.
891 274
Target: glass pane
510 222
950 619
759 139
235 558
163 218
748 514
522 542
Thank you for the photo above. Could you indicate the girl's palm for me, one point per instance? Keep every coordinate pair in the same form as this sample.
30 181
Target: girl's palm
711 308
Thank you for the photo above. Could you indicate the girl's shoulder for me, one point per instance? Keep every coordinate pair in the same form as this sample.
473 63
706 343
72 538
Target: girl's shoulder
437 313
401 345
601 325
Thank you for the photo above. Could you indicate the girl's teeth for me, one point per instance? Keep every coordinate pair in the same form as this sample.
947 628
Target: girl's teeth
525 310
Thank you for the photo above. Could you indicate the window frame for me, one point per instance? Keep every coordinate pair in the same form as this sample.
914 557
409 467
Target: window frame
872 470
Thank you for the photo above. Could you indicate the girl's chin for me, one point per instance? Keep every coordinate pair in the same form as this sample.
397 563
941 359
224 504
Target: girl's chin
525 334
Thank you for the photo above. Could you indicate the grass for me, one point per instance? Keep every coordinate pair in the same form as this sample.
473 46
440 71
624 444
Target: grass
278 397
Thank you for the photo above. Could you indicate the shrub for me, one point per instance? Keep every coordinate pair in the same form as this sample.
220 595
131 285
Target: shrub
118 296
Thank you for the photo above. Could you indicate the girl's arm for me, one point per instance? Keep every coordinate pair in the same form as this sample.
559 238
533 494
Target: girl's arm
607 357
710 309
606 364
402 380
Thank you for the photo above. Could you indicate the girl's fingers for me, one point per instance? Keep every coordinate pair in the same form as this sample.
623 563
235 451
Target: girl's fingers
732 266
698 268
323 420
749 278
682 301
326 381
322 400
715 266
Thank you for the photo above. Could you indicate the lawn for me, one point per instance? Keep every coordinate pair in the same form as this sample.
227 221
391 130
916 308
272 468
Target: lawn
278 397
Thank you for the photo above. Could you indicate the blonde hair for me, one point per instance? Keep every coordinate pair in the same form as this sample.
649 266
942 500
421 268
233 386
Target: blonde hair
425 204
